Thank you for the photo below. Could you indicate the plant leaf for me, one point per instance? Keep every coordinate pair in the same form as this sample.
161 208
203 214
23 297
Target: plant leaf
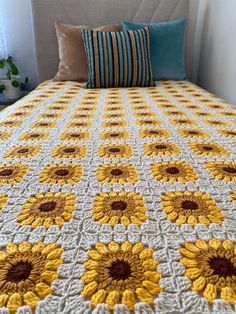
26 80
15 83
1 64
9 59
14 69
2 88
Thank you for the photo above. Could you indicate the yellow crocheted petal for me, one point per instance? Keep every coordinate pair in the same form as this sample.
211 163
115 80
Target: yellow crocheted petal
3 299
129 299
2 256
48 222
42 290
137 248
94 255
150 264
89 276
191 247
152 276
113 246
193 273
201 244
27 221
181 219
151 287
187 253
125 221
114 221
31 299
37 222
210 293
199 284
90 264
24 247
53 264
126 246
189 262
11 248
192 220
101 248
98 298
89 289
38 247
112 299
55 254
228 295
215 243
49 276
228 245
14 302
144 296
146 254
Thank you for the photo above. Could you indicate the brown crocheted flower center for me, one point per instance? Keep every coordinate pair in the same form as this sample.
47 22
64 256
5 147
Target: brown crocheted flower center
189 205
114 150
69 150
6 172
114 134
160 146
119 205
34 135
173 170
23 150
154 132
75 135
62 172
222 266
19 272
229 169
47 207
116 172
208 148
120 270
193 132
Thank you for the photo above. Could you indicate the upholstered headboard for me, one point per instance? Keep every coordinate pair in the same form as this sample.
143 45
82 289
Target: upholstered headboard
100 12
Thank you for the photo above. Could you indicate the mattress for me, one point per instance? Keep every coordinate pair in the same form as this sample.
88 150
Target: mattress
118 201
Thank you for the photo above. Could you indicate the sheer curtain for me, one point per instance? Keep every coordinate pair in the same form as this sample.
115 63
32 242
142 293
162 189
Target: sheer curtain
3 48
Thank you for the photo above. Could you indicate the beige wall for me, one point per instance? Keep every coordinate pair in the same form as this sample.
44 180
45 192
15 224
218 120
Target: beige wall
217 70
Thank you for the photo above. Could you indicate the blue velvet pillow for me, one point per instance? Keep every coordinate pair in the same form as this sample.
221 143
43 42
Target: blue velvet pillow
167 48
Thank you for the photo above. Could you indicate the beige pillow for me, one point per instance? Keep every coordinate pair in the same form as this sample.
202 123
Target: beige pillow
73 65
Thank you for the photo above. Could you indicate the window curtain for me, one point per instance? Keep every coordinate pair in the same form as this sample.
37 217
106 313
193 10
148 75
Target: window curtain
3 48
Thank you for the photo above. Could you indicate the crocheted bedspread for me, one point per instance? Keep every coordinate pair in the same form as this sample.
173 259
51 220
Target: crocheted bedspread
118 201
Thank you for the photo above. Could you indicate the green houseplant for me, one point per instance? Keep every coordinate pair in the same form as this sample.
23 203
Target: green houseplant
10 80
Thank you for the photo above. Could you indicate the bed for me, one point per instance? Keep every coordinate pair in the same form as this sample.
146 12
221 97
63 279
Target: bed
118 200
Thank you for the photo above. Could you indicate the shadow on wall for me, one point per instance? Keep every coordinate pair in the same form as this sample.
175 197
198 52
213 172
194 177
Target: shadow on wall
217 68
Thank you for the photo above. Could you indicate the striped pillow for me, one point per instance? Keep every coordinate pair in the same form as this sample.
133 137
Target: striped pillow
118 59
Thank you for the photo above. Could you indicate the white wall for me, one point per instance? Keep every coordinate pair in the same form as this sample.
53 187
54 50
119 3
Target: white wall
217 71
17 23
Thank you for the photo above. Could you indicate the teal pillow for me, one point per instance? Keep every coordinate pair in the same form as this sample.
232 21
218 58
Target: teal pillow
167 43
